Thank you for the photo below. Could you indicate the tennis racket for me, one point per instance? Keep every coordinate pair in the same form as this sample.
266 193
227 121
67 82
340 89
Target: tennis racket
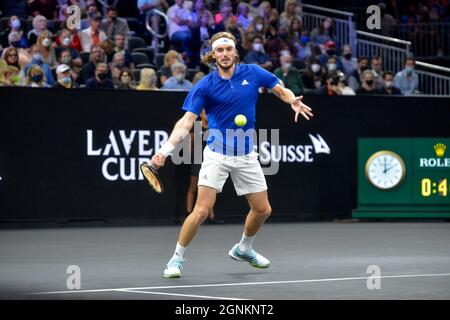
151 174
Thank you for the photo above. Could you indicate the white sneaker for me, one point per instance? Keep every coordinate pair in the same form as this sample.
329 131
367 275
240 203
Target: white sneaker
254 258
173 268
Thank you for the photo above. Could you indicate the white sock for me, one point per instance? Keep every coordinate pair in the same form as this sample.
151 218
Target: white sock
179 251
246 243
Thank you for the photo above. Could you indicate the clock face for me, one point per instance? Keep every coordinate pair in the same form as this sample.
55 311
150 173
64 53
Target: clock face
385 169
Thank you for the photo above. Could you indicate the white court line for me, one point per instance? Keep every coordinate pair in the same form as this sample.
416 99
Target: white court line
178 294
248 283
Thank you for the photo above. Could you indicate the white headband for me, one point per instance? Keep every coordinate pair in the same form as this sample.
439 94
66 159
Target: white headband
222 40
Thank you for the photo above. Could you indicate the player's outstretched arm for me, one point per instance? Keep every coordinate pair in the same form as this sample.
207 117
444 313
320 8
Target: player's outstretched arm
287 96
179 132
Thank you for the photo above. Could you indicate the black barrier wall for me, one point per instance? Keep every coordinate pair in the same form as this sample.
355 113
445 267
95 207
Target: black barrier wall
74 155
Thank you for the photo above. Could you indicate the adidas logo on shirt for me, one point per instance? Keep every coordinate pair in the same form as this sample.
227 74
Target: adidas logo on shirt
245 82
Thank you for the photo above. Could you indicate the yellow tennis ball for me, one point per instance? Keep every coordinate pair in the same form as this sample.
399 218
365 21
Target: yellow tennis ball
240 120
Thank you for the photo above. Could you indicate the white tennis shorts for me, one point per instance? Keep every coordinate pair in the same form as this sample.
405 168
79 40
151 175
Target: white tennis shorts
245 171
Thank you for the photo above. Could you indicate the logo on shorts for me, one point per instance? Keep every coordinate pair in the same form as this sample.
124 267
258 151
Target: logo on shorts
245 82
205 177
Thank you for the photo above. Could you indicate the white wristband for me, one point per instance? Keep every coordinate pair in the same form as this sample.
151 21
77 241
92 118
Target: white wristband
166 149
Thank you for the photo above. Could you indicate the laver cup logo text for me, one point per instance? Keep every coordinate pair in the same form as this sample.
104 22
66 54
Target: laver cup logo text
123 151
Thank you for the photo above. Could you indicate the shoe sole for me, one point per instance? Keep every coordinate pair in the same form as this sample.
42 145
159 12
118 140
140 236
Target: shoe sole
172 276
232 256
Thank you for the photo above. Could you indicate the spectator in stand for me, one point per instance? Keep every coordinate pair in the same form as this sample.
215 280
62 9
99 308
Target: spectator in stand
148 80
388 87
11 57
88 71
100 80
331 86
407 79
14 8
304 50
342 85
92 10
44 41
265 9
226 12
291 11
125 80
108 47
314 76
11 77
367 83
64 42
92 36
323 34
35 77
290 75
197 77
36 54
257 55
200 8
113 24
170 58
254 8
180 21
233 27
354 80
14 40
39 25
295 31
243 17
63 78
117 66
376 64
330 51
349 63
272 40
46 8
332 64
119 46
14 25
177 81
387 21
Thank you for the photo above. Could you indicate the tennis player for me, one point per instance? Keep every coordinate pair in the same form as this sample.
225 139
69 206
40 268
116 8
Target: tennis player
229 90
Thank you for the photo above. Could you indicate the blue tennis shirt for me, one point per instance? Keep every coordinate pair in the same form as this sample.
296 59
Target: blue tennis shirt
223 100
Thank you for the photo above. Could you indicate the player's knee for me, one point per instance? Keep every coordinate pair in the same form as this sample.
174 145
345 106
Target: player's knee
264 211
202 212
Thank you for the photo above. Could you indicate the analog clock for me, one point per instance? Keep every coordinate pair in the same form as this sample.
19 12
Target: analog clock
385 169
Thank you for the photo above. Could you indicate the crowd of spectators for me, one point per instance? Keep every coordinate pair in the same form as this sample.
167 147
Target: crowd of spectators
40 49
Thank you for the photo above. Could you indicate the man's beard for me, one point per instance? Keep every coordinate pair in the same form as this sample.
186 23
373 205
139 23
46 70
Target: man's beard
227 67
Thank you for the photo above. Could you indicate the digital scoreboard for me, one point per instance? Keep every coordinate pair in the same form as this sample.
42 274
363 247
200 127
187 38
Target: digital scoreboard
403 178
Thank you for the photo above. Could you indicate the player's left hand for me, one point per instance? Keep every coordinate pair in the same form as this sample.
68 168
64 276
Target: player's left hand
300 108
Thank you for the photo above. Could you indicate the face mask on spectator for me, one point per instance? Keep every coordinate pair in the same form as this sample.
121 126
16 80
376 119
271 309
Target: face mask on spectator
15 24
331 52
15 44
369 82
283 35
389 84
257 46
66 80
65 60
37 57
285 53
66 42
259 27
304 39
315 68
363 68
409 70
286 65
317 83
46 42
348 56
36 78
331 66
180 77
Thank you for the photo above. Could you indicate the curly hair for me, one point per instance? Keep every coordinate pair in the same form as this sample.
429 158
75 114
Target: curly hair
208 58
